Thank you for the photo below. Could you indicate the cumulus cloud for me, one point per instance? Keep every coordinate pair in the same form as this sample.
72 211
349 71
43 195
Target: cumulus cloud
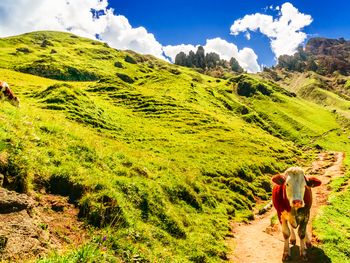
120 34
75 16
94 18
246 57
284 31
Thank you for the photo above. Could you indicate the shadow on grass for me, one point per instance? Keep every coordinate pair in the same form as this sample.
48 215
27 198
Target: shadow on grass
315 255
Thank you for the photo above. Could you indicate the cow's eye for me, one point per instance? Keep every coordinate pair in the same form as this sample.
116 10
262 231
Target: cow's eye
287 184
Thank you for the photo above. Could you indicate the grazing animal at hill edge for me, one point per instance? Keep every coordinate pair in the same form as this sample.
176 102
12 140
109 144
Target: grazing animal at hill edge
292 198
6 93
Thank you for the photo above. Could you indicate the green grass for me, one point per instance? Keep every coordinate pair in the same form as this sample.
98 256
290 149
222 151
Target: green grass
347 84
157 157
332 225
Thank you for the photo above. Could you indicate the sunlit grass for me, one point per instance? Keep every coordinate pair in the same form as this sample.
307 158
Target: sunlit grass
160 160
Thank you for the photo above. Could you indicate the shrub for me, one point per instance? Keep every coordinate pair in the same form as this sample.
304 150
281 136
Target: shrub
23 50
130 59
118 64
46 43
125 78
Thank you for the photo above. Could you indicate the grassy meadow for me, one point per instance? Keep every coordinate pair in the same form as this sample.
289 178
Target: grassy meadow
158 158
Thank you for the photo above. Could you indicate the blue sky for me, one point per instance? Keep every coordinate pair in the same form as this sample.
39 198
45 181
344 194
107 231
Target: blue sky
164 28
192 22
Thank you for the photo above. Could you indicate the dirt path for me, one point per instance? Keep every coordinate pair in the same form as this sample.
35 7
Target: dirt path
259 242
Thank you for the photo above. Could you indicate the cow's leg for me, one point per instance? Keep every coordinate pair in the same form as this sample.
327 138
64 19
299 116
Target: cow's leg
286 235
307 239
302 235
293 239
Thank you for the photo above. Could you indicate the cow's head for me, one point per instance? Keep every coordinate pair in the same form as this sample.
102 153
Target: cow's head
15 102
10 96
295 183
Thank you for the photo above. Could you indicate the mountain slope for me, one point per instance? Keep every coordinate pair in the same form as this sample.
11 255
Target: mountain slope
158 156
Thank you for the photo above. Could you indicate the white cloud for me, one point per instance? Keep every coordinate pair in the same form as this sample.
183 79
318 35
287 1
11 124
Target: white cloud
75 16
248 60
284 31
246 57
20 16
120 34
220 46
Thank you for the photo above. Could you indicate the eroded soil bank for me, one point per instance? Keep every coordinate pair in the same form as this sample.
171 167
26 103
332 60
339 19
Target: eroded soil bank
32 225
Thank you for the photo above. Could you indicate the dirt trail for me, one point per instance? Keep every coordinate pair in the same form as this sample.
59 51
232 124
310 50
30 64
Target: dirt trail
258 242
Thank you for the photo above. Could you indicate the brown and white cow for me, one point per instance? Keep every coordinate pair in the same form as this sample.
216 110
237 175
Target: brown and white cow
6 93
292 198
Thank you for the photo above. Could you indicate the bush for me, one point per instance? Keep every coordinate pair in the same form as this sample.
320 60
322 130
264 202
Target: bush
125 78
130 59
23 50
249 87
118 64
46 43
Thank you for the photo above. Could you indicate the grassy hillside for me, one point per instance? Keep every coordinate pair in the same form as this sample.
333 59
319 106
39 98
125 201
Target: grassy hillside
332 224
156 156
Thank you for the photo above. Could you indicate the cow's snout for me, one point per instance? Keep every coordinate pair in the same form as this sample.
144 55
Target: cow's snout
297 203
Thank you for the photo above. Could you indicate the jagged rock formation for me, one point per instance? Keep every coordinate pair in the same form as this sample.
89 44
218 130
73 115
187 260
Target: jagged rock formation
322 55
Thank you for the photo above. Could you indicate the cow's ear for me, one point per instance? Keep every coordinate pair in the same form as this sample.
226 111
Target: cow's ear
278 179
313 182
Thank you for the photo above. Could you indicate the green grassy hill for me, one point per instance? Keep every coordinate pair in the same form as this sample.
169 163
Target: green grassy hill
157 157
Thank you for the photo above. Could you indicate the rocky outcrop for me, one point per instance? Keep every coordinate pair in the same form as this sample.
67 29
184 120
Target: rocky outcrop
11 201
327 47
32 225
322 55
20 235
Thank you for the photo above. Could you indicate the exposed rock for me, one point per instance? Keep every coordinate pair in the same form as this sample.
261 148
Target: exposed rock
23 237
11 201
30 228
326 46
321 55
